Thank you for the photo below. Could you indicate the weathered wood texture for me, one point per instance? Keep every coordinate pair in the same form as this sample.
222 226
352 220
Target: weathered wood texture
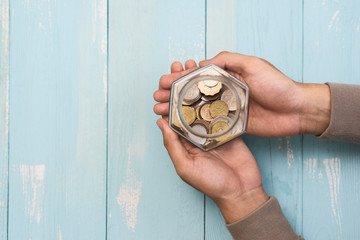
250 27
4 115
79 147
146 199
58 92
331 169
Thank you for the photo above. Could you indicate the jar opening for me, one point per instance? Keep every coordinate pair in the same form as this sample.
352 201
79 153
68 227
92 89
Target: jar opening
203 109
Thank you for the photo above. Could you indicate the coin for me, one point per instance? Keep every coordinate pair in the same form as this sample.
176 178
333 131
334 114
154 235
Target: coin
189 114
209 91
199 129
175 120
205 112
242 98
229 98
219 108
219 127
192 95
211 83
197 112
203 123
210 98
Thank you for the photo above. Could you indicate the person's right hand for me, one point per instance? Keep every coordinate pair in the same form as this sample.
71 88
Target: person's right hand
278 106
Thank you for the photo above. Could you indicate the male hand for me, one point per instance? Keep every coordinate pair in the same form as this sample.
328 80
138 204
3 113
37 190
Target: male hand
278 106
228 174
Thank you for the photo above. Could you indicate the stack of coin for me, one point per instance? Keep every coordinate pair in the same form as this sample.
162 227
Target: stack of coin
208 108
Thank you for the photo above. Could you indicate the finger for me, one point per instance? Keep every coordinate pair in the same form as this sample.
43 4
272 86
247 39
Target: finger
176 67
162 95
231 61
172 143
161 109
167 80
190 64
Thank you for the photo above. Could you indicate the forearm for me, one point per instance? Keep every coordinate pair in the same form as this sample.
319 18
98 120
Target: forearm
316 108
331 111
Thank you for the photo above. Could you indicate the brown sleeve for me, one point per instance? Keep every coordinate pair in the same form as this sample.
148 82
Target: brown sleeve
345 113
266 222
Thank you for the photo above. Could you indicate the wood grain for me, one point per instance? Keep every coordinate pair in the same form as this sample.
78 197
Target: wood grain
4 115
146 199
271 30
58 95
331 169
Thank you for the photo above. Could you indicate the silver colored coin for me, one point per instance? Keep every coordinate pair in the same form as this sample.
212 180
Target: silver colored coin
192 95
242 98
199 129
211 83
230 99
209 91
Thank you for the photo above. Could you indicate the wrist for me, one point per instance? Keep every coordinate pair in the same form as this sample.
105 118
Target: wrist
236 208
315 110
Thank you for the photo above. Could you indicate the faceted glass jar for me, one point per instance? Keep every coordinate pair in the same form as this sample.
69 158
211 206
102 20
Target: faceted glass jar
208 107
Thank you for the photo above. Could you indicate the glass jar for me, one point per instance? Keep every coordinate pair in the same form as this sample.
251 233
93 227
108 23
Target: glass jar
208 107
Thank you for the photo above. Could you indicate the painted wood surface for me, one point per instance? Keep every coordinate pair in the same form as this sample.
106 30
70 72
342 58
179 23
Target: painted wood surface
4 115
250 27
331 169
58 124
146 199
86 159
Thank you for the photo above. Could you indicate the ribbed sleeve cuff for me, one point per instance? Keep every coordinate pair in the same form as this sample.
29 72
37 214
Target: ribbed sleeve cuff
345 113
267 222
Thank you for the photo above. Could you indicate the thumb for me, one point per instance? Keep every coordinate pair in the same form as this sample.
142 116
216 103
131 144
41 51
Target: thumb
229 61
173 145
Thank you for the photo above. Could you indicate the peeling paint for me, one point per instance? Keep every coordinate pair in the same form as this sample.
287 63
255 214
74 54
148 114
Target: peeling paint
280 147
130 191
128 199
333 173
60 233
311 166
334 19
290 152
33 175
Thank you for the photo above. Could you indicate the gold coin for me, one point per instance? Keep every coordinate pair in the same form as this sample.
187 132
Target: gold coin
209 91
175 120
197 112
188 114
219 108
205 112
219 127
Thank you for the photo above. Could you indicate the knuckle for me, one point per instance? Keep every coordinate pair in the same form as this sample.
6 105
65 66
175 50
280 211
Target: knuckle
222 53
163 79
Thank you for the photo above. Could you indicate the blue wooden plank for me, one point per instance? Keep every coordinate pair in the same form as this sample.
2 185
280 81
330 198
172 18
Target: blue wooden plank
271 30
146 199
58 92
331 169
4 114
